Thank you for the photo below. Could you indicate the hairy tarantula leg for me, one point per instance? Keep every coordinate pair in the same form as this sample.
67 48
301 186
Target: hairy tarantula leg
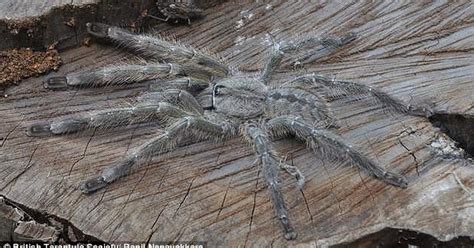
262 147
106 119
336 88
181 98
326 47
153 47
185 83
328 143
121 74
328 43
197 127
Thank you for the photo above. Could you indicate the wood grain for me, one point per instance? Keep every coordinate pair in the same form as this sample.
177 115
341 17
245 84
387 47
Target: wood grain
421 53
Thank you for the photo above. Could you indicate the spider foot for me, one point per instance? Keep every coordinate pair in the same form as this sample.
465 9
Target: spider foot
395 179
39 130
339 41
92 185
99 30
291 235
56 83
290 232
348 38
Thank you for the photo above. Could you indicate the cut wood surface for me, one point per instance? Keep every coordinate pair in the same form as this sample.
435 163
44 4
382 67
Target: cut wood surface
421 53
14 10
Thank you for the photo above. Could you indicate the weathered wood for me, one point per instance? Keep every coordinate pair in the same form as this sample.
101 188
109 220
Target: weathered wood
421 53
21 9
22 224
14 10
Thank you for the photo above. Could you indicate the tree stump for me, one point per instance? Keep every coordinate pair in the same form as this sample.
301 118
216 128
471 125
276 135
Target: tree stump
421 53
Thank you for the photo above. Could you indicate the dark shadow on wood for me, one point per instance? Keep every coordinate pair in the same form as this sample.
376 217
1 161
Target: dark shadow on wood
398 238
459 127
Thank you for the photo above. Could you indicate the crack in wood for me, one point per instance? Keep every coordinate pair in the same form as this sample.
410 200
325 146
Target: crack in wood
411 154
131 138
98 203
11 131
307 206
128 200
368 189
223 199
253 208
153 230
331 181
83 153
185 196
28 166
180 233
50 220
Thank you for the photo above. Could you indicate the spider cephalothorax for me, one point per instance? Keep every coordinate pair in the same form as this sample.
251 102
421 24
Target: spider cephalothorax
205 99
241 97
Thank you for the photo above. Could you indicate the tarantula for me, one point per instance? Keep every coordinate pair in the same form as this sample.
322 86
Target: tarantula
206 99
